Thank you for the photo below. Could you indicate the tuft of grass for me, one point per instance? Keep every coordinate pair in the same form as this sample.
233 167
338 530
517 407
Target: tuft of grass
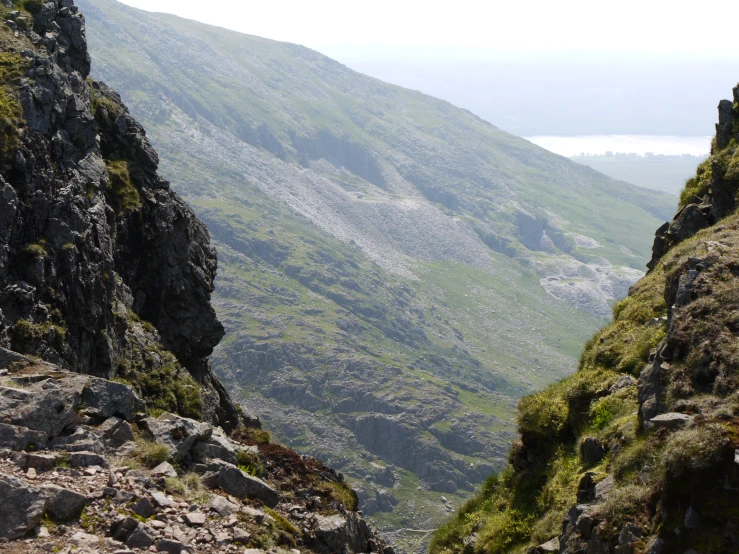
625 504
695 449
190 486
122 194
35 251
250 463
98 101
160 380
699 185
282 522
558 494
150 453
341 492
543 415
12 67
609 408
251 436
24 331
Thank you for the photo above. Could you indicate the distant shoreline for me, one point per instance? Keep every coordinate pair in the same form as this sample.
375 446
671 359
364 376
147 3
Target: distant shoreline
624 145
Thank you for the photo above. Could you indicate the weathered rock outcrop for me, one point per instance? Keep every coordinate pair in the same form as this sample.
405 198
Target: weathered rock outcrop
72 487
92 241
711 195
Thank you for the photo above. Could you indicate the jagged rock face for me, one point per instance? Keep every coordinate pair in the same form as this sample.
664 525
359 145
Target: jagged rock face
711 196
90 235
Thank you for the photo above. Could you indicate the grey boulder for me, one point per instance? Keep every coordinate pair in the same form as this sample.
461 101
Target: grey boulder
164 469
231 480
19 438
62 504
115 432
21 508
178 434
222 506
107 398
142 537
41 407
339 533
217 446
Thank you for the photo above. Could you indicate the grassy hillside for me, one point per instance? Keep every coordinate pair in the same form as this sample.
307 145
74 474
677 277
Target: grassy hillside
636 449
390 265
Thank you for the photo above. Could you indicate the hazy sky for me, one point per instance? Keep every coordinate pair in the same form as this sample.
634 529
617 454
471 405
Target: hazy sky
470 28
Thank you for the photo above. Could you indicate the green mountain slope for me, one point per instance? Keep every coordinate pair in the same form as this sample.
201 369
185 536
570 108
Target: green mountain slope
637 451
394 272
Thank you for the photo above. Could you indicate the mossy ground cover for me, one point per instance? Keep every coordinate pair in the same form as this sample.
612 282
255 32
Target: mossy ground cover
12 66
155 373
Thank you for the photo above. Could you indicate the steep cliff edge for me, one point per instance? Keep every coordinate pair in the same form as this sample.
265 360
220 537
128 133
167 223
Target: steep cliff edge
99 260
637 452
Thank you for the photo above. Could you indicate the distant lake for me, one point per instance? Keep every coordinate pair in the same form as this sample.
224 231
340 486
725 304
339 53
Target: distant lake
630 144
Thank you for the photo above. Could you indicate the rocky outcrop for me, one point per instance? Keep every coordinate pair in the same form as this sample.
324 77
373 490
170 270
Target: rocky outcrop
72 486
92 241
711 195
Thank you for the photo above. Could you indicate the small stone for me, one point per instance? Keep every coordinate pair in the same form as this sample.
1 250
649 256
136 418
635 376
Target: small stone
222 506
550 546
603 488
164 469
144 508
86 459
240 536
585 525
170 546
122 528
629 534
585 489
84 540
43 533
591 451
161 500
692 518
194 518
61 503
231 522
177 433
31 473
142 537
670 421
40 462
223 539
235 482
